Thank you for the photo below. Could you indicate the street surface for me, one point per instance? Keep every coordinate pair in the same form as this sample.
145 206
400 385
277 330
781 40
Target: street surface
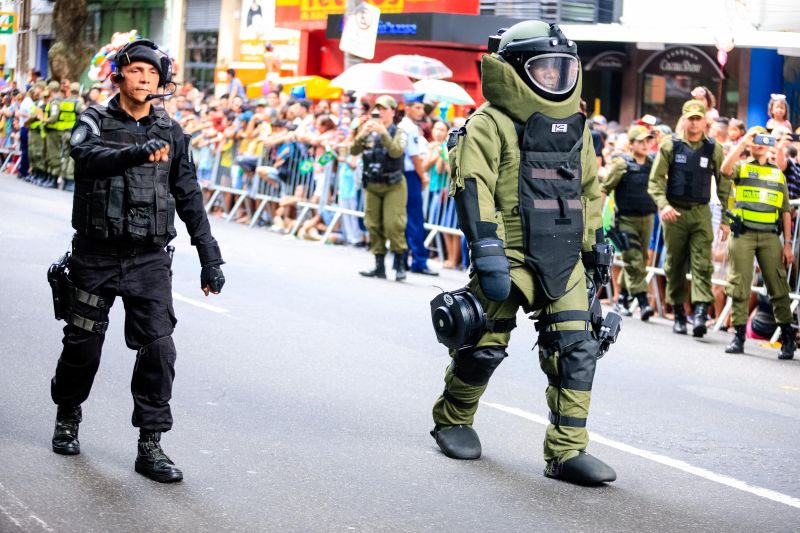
302 403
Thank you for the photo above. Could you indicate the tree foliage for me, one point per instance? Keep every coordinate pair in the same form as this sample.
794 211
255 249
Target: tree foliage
69 56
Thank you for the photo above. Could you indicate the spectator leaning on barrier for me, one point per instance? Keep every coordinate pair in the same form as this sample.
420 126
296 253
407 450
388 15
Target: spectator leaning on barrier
383 145
680 184
417 181
759 216
634 217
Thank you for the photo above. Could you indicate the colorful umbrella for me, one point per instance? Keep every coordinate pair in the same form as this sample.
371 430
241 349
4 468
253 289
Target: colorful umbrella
443 91
371 78
316 87
417 67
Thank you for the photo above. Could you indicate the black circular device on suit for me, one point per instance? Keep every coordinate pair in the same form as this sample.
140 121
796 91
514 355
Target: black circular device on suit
458 318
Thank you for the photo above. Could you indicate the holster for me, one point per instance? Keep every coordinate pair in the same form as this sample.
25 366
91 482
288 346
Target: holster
57 277
65 294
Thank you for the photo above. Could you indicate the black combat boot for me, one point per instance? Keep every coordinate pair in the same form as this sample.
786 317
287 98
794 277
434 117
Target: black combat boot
380 268
787 342
737 343
65 436
644 307
457 442
583 469
679 326
152 462
621 307
399 267
700 317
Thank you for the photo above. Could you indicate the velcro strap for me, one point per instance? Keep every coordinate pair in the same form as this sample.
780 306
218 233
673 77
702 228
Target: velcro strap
559 339
501 325
486 248
91 300
563 316
455 401
571 384
88 325
571 421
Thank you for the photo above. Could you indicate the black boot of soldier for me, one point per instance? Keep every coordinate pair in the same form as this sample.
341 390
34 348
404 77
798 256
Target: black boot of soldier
65 436
152 462
583 469
380 268
621 307
700 317
679 326
457 442
787 342
399 267
737 344
644 307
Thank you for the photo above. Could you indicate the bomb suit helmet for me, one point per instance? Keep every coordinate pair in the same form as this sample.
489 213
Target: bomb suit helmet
542 56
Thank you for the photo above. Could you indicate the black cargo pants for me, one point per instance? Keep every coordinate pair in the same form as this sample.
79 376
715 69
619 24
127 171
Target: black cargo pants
142 278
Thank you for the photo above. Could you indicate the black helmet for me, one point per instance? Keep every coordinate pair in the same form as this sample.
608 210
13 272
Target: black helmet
542 56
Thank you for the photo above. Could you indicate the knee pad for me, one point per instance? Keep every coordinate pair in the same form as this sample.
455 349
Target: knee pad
475 366
578 351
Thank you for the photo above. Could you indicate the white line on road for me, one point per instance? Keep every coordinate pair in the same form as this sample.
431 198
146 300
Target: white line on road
662 459
198 303
23 509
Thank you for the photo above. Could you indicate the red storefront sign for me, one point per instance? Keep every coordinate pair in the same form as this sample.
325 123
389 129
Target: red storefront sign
312 14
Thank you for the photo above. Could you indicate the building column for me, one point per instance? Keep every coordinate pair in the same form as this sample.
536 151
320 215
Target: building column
766 77
175 15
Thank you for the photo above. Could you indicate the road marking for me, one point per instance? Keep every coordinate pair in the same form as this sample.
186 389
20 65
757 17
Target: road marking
198 303
664 460
21 523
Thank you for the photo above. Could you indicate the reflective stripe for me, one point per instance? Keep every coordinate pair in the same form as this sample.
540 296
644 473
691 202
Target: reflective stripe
66 116
749 170
759 195
760 217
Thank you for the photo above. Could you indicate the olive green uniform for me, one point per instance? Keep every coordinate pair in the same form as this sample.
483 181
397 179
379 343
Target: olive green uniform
688 240
489 153
52 138
384 204
760 242
639 230
36 142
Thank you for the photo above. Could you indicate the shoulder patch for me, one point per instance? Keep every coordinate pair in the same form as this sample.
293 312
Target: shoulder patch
403 135
79 134
90 122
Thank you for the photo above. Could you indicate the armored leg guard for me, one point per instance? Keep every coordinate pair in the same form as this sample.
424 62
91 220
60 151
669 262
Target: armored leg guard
737 344
152 462
465 381
679 326
582 469
65 435
700 317
787 342
380 268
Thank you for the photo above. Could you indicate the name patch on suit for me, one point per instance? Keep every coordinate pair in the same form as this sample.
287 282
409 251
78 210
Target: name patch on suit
680 158
558 128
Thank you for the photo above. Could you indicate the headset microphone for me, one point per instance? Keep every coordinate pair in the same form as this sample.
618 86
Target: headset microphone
153 96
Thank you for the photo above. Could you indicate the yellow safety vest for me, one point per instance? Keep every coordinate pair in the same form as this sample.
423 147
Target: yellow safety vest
758 195
66 116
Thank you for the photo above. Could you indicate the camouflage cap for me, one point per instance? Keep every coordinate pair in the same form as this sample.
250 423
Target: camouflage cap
386 101
758 130
639 133
53 85
694 108
75 86
40 84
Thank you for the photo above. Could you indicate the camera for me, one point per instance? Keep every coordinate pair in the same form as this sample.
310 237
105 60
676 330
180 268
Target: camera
375 114
764 140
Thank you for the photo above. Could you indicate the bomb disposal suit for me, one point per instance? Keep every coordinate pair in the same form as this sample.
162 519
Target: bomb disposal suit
524 178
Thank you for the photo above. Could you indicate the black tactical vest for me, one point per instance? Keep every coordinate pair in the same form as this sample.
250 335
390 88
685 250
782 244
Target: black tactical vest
690 172
550 198
135 206
378 166
631 195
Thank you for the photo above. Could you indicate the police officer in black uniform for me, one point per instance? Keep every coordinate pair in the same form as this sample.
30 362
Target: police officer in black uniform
133 169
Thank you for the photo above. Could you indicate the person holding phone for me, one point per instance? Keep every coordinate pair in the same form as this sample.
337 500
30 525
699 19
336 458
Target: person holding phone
760 216
383 145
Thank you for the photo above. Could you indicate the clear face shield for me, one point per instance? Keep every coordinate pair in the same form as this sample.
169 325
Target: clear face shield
555 74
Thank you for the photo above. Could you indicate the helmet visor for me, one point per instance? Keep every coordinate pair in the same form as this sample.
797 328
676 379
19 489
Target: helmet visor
553 73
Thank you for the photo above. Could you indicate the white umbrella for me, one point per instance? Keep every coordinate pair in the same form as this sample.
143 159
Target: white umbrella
444 91
371 78
417 67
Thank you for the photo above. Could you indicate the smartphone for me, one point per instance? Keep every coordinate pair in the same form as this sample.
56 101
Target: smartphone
375 114
764 140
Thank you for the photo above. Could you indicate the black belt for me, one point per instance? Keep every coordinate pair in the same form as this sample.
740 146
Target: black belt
111 248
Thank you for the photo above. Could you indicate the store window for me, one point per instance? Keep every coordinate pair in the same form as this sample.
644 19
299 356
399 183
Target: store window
201 58
669 76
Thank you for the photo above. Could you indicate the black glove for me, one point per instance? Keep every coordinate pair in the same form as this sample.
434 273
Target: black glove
144 151
211 277
491 265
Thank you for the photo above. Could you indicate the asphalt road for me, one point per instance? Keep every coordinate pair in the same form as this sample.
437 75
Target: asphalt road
302 403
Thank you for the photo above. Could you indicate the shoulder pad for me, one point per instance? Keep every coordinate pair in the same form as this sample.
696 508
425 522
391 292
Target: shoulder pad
163 119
